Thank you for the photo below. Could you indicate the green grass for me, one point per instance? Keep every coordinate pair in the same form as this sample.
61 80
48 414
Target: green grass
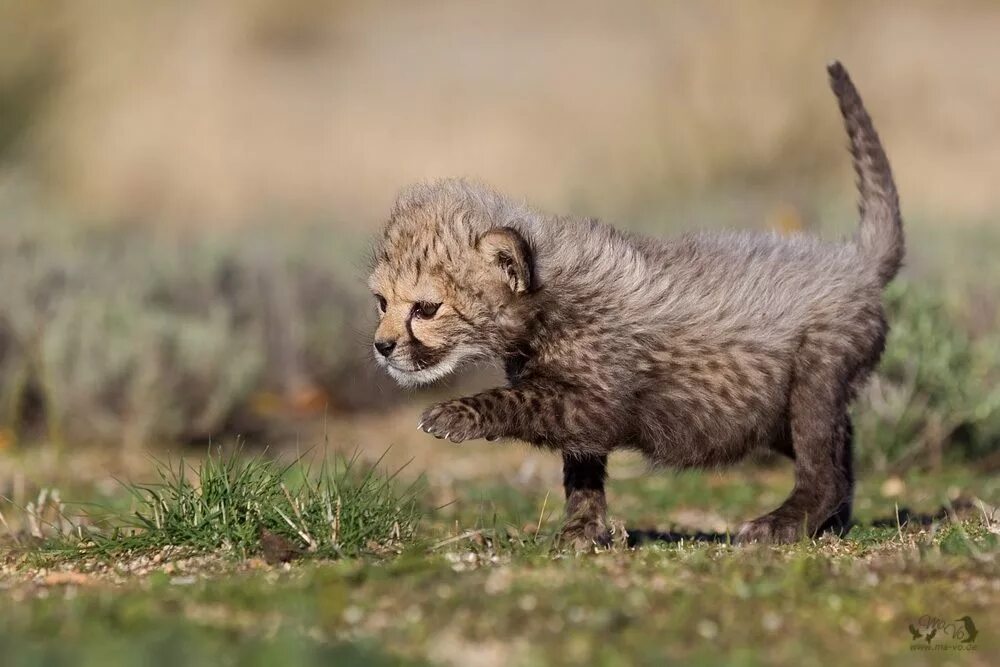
478 581
226 504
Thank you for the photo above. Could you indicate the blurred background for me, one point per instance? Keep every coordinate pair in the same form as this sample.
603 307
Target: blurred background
188 191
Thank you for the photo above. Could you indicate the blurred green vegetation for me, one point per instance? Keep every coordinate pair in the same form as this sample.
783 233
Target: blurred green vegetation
937 391
117 335
122 335
138 630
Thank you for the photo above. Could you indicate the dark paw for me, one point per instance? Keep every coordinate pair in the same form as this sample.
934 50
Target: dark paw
584 533
452 420
771 529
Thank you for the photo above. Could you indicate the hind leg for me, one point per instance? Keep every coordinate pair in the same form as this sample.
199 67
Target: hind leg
820 440
840 522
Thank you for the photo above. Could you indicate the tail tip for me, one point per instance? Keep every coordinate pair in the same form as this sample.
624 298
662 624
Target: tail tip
836 69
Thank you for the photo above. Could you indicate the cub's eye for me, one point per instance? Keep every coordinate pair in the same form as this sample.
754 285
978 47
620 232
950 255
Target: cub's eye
425 310
382 303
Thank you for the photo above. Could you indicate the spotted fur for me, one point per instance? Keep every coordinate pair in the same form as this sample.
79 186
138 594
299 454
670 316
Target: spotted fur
693 351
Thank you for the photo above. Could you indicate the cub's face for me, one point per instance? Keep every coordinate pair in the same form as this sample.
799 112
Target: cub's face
443 300
426 326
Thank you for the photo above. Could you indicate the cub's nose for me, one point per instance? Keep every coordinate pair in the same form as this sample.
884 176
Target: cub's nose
385 347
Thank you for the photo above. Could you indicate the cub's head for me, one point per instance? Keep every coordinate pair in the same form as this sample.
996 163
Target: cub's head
449 275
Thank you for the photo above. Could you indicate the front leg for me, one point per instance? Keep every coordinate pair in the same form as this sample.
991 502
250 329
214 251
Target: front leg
539 413
586 505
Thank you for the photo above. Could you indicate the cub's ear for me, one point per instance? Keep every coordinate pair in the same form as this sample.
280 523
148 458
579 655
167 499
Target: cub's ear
506 249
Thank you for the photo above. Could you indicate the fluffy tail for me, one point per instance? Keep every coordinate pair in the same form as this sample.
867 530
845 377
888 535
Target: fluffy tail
880 236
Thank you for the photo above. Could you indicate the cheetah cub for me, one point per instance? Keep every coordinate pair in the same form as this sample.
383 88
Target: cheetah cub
693 351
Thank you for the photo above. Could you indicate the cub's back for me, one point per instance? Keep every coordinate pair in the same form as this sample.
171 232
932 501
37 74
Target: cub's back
749 279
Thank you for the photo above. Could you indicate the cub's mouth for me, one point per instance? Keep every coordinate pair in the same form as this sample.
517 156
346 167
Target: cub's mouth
415 378
444 365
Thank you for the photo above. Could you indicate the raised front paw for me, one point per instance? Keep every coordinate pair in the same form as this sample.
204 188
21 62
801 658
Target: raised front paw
452 420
